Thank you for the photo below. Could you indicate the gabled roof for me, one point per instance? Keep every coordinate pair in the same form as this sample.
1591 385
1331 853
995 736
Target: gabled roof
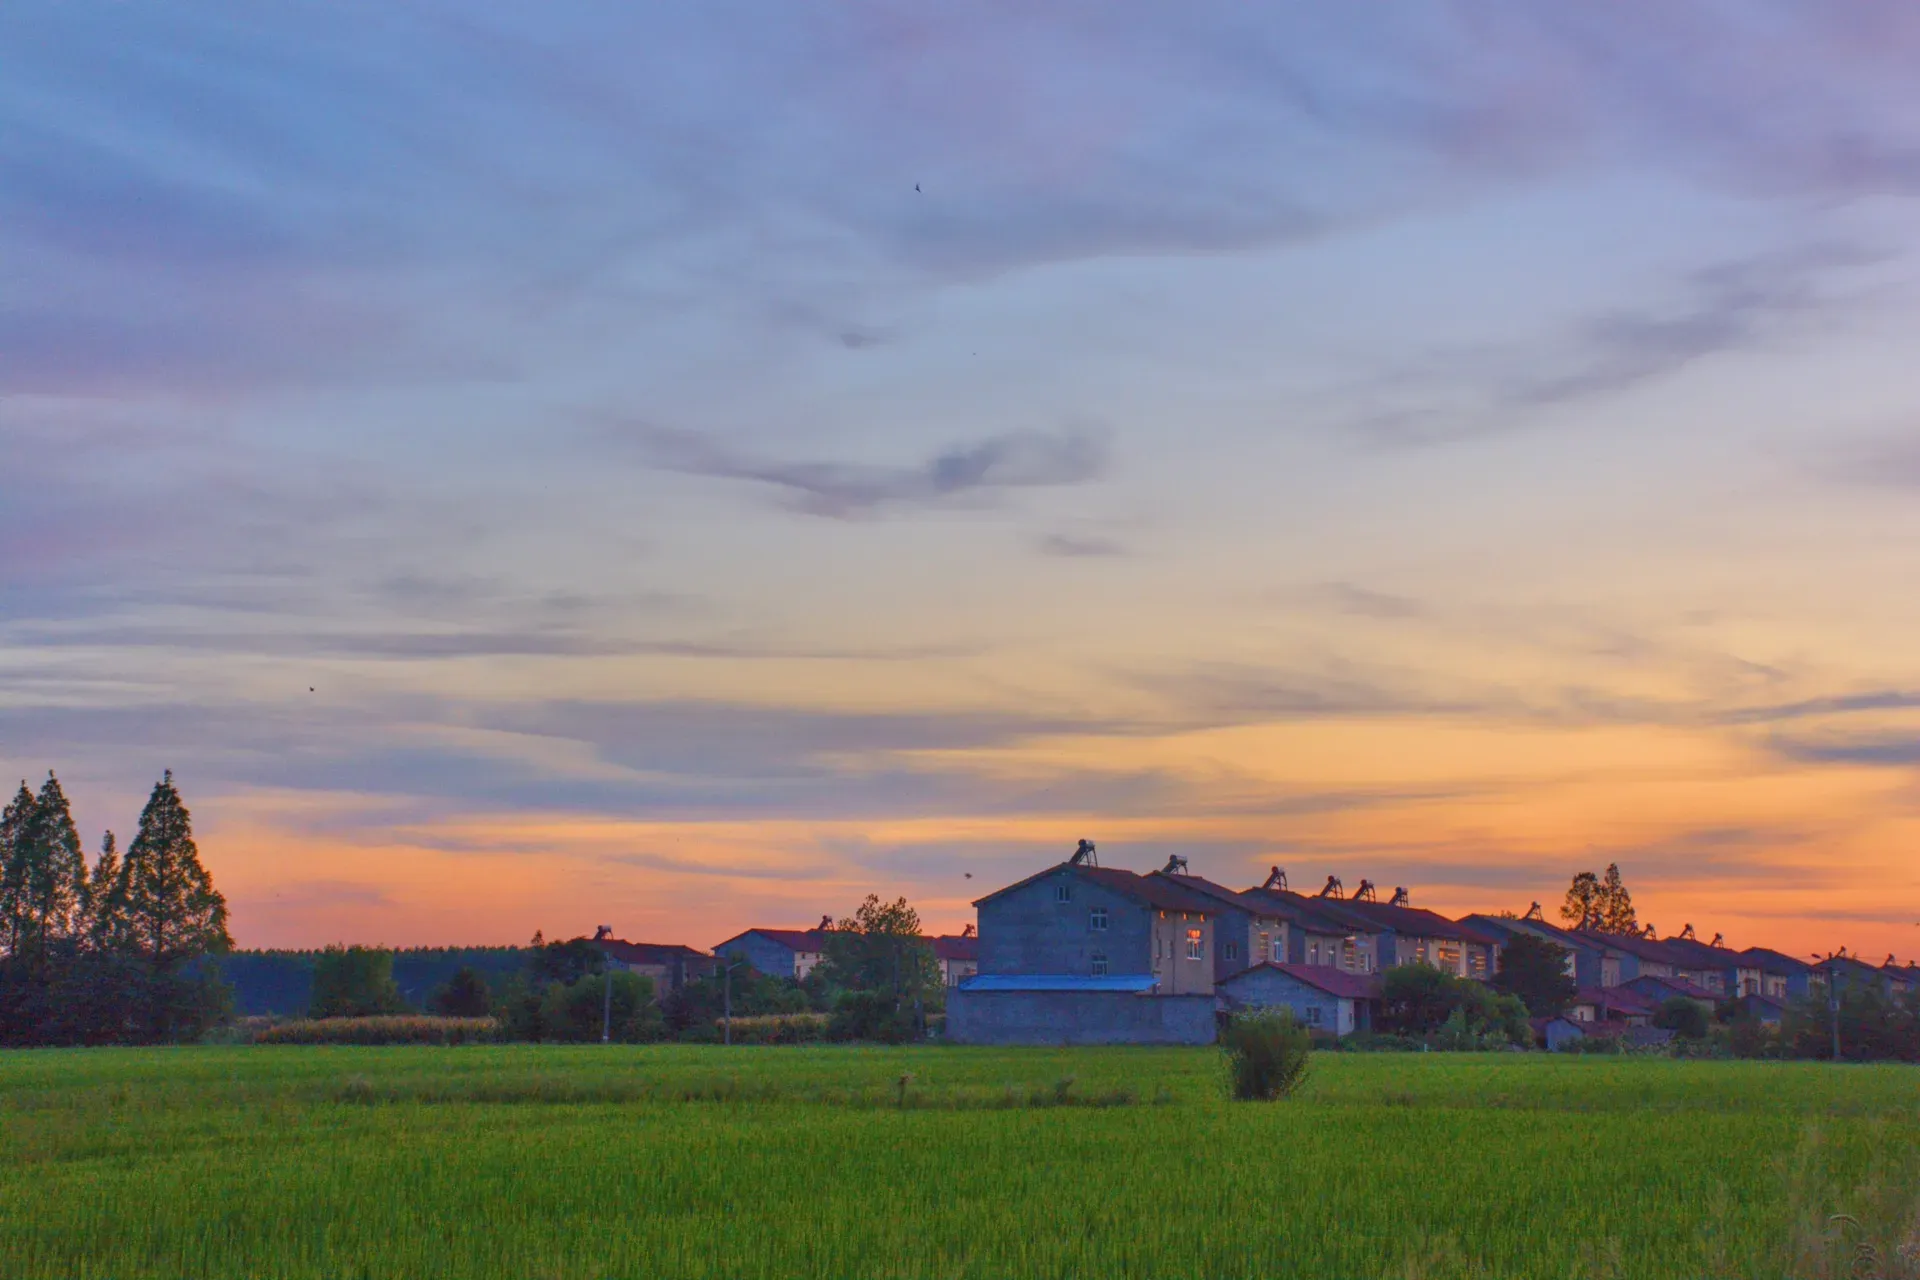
1219 893
1775 962
1705 955
1135 983
1644 948
1679 986
1616 998
951 946
1155 891
1315 915
808 941
1335 982
650 952
1417 922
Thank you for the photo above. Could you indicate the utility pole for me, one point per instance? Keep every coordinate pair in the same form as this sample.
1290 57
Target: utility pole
1833 1003
726 1001
606 995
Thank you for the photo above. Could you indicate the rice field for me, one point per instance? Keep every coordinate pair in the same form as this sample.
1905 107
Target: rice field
667 1161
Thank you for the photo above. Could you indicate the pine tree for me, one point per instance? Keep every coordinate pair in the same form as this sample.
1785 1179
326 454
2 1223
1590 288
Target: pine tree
46 875
107 900
173 911
1616 904
13 822
1582 907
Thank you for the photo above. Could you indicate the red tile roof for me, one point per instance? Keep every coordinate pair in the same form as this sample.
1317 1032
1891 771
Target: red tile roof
804 940
1335 982
650 952
1154 891
951 946
1417 922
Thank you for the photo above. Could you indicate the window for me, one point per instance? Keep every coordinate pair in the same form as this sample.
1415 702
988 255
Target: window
1193 944
1313 953
1232 950
1097 918
1266 948
1063 892
1313 1015
1099 964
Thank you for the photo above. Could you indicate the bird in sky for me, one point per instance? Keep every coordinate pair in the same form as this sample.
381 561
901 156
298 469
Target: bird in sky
916 186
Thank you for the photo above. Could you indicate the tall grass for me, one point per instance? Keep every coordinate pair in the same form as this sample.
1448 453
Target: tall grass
582 1161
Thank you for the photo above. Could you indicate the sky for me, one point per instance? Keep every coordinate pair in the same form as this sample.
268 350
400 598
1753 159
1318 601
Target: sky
687 467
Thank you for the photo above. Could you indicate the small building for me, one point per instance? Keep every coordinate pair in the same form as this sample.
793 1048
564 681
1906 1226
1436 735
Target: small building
1624 1005
1317 931
1661 990
958 955
1589 963
1069 1009
1405 934
1555 1034
1321 997
1084 954
1760 971
1762 1008
778 953
670 965
1249 927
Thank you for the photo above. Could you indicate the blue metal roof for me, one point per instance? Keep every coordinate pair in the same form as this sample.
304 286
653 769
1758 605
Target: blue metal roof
1122 982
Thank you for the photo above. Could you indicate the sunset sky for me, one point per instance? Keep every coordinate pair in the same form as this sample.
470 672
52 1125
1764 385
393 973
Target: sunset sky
685 467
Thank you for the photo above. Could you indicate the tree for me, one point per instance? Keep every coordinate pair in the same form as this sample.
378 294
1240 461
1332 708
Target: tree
174 913
1682 1016
1535 969
355 982
1582 908
879 948
108 928
1416 998
464 995
45 880
1616 904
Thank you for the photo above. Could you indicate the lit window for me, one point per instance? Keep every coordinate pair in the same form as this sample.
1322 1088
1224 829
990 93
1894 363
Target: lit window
1193 944
1097 918
1099 964
1063 893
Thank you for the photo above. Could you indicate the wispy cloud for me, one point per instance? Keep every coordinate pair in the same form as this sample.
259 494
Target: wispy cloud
982 470
1075 546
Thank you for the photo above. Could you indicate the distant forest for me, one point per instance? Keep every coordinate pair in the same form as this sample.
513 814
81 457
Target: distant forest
281 982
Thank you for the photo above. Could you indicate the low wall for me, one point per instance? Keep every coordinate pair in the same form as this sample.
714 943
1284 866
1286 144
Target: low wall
1077 1017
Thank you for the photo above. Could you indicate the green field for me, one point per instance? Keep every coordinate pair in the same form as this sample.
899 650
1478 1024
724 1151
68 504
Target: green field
533 1161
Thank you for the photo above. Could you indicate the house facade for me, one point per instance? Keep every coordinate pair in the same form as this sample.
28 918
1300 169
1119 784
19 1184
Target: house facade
778 953
1322 998
1405 934
958 955
670 965
1248 928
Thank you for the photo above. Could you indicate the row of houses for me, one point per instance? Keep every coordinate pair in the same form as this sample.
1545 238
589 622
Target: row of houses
1081 953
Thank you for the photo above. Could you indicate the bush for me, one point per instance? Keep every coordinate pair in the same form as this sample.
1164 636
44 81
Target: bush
403 1029
573 1011
354 982
872 1016
1684 1017
1267 1053
465 995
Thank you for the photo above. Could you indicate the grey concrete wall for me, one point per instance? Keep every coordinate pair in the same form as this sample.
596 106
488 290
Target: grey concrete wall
1272 989
764 954
1030 931
1077 1017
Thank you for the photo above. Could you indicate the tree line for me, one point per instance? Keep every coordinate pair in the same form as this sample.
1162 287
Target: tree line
112 952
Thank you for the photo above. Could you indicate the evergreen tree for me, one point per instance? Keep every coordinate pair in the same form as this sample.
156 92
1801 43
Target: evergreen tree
107 925
13 822
46 878
1535 970
1581 910
1616 904
173 911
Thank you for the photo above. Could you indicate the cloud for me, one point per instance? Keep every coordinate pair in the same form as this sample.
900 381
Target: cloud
1892 750
1079 546
983 470
1888 460
1363 602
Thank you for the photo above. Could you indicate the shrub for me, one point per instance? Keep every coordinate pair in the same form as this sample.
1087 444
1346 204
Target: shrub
870 1015
401 1029
465 995
1267 1052
354 982
1684 1017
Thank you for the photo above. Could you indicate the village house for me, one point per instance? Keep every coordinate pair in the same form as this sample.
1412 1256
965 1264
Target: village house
1623 1005
779 953
1323 998
958 956
670 965
1406 934
1084 954
1590 963
1318 932
1758 971
1661 990
1249 927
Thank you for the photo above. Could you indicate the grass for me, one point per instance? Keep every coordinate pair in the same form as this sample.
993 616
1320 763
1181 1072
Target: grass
547 1161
